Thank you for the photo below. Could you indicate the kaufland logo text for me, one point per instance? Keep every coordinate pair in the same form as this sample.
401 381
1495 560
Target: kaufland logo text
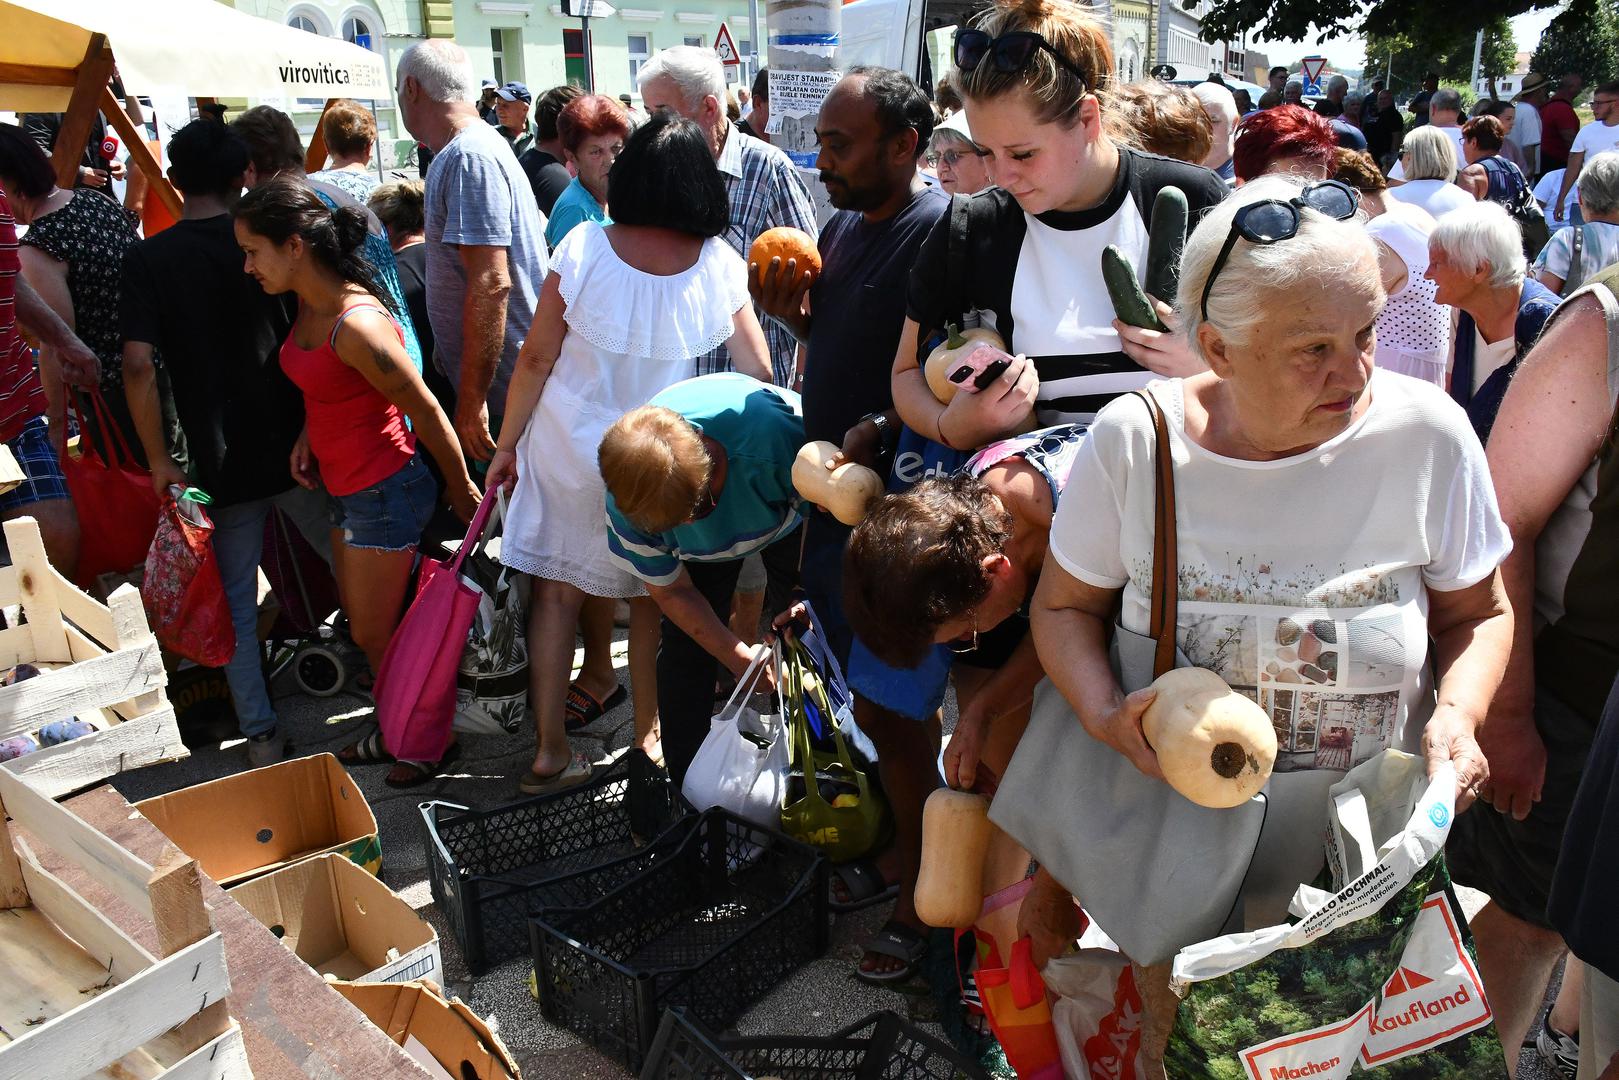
1422 1010
1309 1068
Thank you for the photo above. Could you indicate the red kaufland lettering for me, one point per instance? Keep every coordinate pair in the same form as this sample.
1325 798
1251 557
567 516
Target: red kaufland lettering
1309 1068
1421 1010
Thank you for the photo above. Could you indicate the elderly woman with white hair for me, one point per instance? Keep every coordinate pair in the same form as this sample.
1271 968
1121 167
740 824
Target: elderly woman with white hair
1429 158
1319 503
1575 255
1475 258
957 161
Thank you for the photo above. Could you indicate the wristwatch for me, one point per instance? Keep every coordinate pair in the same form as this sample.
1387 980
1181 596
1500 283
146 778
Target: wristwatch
878 420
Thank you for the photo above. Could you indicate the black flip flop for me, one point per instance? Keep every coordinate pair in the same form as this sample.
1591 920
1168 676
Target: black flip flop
904 943
584 709
423 771
863 884
366 751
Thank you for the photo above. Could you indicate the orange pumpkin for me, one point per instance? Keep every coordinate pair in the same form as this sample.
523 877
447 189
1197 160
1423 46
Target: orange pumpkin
785 243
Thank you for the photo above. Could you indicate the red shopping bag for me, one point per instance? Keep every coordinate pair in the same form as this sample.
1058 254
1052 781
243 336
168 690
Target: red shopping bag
415 690
117 507
184 595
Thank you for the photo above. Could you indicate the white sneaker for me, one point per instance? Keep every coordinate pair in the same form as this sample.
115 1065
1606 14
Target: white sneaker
266 749
1560 1052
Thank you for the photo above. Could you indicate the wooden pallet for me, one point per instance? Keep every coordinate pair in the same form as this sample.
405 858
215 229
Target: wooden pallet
84 999
103 665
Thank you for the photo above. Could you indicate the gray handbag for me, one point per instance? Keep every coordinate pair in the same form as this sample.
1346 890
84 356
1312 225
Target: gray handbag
1156 871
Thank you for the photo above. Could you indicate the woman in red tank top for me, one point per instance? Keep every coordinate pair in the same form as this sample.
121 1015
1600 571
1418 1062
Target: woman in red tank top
346 353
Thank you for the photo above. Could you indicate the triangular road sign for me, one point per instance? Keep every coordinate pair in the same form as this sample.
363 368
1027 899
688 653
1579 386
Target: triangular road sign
1313 67
725 46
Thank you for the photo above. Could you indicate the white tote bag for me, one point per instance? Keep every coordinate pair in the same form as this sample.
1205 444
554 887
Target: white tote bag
742 764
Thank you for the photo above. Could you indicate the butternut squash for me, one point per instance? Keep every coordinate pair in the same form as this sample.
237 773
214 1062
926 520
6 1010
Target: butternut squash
955 835
1216 746
845 491
942 360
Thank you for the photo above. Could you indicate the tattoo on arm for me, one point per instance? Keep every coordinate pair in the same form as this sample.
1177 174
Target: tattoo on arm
383 359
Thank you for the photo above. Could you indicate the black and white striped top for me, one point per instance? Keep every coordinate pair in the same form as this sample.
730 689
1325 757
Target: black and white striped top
1037 280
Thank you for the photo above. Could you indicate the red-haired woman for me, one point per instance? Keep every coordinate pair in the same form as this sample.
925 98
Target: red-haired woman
592 129
1286 139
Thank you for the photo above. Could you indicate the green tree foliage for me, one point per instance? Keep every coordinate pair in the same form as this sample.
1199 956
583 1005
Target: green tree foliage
1583 39
1295 20
1450 53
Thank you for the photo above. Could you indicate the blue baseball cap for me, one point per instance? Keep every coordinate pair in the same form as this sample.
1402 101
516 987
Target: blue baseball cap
516 91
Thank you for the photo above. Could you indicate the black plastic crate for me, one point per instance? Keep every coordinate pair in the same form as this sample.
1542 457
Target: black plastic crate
712 925
881 1047
491 870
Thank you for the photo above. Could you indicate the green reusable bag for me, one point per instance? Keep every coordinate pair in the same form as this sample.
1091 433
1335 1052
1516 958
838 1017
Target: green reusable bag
837 811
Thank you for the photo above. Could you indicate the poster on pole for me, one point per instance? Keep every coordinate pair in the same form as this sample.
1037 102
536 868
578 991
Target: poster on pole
795 103
725 46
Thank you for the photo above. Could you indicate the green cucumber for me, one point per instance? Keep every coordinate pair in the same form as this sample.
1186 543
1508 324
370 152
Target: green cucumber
1129 302
1166 238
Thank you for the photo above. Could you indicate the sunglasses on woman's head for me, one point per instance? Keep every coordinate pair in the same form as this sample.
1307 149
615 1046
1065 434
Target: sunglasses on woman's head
1272 220
1010 53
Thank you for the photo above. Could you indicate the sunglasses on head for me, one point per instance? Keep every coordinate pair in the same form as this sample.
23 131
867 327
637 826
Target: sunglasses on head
1010 53
1274 220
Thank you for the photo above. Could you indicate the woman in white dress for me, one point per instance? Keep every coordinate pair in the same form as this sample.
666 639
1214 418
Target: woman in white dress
623 314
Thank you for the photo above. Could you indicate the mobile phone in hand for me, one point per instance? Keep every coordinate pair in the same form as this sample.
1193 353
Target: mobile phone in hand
980 367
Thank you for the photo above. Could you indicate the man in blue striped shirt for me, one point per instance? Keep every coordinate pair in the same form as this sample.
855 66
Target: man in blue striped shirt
697 480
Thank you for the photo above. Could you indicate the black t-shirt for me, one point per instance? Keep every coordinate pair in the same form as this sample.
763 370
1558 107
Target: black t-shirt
220 336
1383 130
1582 891
546 175
412 263
1037 280
857 309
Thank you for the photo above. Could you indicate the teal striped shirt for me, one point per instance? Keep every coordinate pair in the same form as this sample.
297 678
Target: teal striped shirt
761 428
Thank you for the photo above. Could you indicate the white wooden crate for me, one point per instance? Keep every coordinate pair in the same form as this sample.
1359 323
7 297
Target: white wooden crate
81 997
108 669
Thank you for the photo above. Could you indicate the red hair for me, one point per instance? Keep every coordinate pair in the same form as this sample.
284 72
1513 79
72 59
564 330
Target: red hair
588 116
1287 131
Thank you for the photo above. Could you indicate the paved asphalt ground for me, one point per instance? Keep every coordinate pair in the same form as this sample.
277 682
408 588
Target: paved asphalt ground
821 997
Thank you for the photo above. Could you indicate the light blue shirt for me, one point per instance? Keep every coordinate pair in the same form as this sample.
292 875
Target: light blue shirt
761 428
478 196
574 206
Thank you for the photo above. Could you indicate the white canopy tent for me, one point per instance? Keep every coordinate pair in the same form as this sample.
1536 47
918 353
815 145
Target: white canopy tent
56 56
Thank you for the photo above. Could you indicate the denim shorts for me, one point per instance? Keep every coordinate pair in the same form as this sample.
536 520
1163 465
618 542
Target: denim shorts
389 515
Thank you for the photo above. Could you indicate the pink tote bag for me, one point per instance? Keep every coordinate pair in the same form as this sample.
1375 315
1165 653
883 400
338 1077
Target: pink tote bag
415 690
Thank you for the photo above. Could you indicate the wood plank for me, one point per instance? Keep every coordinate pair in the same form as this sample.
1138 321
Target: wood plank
122 1018
122 873
123 676
17 646
315 154
92 76
225 1058
10 595
181 919
140 155
85 613
13 888
61 770
129 628
80 647
103 942
40 588
35 75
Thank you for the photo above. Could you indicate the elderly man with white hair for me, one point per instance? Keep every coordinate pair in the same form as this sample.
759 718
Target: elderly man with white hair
1444 115
486 254
1475 257
1217 101
764 188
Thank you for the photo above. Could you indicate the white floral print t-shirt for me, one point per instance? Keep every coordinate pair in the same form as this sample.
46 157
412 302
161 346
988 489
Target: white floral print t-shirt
1303 581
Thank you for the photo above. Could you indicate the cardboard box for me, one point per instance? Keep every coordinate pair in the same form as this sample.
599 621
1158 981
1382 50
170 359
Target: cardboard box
417 1013
343 922
249 824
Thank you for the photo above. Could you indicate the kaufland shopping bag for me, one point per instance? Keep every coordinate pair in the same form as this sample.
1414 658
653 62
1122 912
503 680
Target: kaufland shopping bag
1376 976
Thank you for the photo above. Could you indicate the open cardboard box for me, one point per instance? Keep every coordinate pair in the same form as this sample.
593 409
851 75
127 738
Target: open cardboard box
416 1012
343 922
246 825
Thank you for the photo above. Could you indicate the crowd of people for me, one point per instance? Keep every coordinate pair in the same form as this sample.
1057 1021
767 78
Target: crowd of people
1389 371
